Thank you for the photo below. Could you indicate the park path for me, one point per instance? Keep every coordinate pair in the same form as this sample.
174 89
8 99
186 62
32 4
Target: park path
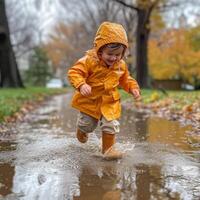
42 159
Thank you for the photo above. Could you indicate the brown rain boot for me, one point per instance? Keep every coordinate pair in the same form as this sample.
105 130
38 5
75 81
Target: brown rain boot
81 136
109 152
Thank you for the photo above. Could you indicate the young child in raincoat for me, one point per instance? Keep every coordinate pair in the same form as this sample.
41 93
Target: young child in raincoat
96 77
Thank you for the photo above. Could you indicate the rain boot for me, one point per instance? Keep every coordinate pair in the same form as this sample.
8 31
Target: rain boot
108 150
81 136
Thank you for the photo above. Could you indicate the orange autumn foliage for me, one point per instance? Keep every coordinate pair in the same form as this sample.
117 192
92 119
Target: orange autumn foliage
66 44
173 57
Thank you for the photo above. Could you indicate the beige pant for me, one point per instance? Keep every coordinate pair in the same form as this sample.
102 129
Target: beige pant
87 124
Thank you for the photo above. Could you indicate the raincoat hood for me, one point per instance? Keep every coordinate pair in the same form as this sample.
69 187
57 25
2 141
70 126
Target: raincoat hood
110 33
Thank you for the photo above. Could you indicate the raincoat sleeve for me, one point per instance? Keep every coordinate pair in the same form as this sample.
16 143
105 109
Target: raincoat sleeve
127 82
78 73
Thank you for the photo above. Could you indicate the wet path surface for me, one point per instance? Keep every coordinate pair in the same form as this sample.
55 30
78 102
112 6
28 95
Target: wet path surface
44 161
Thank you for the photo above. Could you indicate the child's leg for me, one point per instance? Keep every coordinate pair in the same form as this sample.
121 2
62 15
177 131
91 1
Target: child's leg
109 129
85 124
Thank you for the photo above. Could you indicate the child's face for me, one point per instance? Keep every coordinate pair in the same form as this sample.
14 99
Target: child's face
110 56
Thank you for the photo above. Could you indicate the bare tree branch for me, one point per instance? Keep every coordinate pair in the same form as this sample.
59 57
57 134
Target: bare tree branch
126 5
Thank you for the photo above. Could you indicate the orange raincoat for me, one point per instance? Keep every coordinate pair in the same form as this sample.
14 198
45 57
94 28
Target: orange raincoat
105 98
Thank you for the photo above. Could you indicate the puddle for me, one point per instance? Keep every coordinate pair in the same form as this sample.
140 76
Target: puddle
7 146
45 161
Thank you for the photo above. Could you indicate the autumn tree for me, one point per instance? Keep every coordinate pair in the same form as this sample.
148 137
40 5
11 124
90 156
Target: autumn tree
179 56
66 44
194 37
144 10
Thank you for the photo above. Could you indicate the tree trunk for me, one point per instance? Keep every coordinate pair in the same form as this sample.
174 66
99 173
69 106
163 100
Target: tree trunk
9 73
142 36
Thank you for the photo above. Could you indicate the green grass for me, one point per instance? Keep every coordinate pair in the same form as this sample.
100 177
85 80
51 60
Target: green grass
181 97
11 100
145 93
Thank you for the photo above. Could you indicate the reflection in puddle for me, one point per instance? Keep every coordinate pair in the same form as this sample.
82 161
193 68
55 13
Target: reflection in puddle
7 173
7 146
168 132
46 161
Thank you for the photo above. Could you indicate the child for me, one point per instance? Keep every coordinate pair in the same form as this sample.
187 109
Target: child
96 77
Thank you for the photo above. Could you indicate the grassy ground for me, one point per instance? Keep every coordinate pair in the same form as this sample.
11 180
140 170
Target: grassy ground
172 104
12 100
181 97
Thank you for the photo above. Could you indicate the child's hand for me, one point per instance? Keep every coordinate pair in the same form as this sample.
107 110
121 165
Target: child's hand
85 89
136 94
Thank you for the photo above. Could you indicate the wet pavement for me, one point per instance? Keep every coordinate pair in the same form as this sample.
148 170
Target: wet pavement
43 160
